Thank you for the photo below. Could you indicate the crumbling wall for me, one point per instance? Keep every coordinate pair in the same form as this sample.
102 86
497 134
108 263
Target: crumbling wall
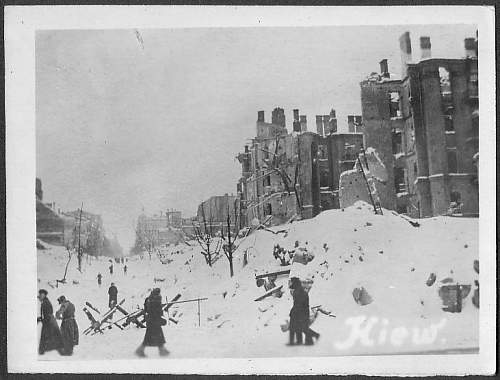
352 188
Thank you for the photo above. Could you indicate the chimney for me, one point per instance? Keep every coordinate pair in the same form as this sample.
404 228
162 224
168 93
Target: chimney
358 123
470 48
384 68
350 123
425 47
405 49
303 123
333 121
296 122
260 116
319 125
278 116
326 124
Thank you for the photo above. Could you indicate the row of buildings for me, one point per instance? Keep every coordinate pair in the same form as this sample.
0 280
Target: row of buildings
72 228
422 127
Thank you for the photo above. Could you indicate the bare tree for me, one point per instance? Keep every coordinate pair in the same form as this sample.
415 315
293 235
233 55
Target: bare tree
205 235
70 254
229 246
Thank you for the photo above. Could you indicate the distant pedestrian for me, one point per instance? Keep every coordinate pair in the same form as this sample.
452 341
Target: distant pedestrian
154 334
111 269
69 327
125 269
113 295
50 338
99 279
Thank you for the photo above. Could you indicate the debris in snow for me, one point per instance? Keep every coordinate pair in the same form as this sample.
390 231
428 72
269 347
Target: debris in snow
282 255
475 297
360 258
361 296
40 245
368 224
466 246
412 269
430 281
452 296
276 290
381 252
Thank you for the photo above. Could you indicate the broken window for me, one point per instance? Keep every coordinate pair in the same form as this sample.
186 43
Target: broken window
268 210
445 87
323 179
267 180
452 161
397 146
473 87
322 152
399 180
455 197
394 108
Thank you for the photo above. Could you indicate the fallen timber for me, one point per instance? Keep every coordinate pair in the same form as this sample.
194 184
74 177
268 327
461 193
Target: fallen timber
279 273
269 292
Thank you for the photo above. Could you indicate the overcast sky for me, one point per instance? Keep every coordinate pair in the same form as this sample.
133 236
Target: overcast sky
155 118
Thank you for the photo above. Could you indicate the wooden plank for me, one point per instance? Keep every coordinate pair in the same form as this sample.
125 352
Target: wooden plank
282 272
268 293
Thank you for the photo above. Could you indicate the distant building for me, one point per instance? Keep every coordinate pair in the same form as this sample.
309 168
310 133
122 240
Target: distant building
425 128
286 175
65 228
214 211
158 230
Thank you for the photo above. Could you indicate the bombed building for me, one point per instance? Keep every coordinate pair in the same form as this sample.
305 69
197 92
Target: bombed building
424 128
294 175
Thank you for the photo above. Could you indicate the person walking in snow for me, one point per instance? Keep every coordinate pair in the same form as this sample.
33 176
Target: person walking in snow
299 315
111 269
50 337
125 270
99 279
69 327
113 295
154 321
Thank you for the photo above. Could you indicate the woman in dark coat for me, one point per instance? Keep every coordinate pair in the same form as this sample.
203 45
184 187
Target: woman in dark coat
50 338
154 334
299 315
69 327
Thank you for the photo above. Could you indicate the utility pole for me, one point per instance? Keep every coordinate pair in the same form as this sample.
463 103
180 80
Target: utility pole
79 249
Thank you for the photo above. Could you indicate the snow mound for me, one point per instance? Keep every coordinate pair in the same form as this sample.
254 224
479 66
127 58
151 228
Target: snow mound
385 255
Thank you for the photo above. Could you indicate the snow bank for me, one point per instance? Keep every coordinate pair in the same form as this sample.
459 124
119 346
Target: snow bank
354 248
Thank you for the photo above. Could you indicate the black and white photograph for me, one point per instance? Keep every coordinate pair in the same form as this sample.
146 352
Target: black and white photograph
276 190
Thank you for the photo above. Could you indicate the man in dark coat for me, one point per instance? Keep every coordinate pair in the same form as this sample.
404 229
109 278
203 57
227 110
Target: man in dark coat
154 334
299 315
99 279
113 295
69 327
50 338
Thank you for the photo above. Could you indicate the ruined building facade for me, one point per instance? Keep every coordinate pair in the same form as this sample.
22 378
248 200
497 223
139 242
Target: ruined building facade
287 175
425 129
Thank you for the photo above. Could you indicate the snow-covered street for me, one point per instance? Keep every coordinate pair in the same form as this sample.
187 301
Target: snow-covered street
384 254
